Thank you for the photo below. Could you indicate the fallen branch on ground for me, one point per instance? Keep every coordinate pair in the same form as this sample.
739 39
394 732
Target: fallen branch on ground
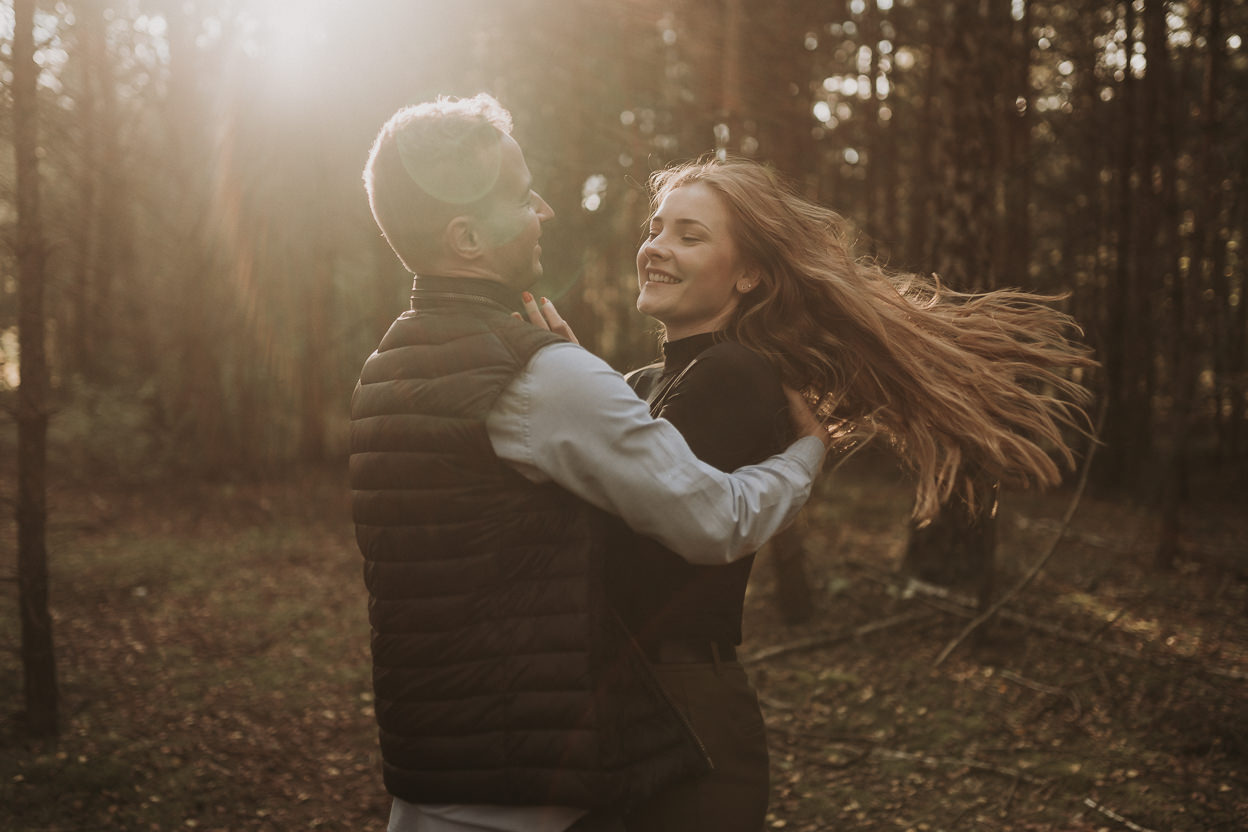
964 606
938 762
1112 815
1041 688
807 734
827 640
873 750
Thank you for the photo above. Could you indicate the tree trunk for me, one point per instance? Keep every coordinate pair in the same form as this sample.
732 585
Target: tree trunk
958 548
92 45
872 188
38 655
920 246
793 599
1017 239
1161 234
314 401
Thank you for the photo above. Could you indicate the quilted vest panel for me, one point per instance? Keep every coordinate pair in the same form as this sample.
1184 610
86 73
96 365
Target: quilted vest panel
500 673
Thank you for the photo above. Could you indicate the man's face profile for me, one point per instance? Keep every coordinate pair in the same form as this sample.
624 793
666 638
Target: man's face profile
512 220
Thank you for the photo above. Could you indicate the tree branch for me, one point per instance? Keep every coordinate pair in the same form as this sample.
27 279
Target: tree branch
826 640
1112 815
977 765
1026 580
955 604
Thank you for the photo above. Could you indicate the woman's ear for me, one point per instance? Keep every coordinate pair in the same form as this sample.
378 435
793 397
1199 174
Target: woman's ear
746 283
463 238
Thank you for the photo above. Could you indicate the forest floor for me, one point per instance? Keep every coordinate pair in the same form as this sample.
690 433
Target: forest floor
212 645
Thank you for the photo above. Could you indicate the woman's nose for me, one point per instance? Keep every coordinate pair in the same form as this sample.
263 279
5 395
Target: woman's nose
652 249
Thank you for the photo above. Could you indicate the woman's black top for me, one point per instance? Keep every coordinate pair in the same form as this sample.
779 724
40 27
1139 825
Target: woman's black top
727 402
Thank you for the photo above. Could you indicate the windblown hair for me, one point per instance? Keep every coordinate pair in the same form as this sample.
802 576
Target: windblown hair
430 163
969 388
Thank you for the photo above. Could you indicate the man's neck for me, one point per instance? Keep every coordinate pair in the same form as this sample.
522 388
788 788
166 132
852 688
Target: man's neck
460 270
436 288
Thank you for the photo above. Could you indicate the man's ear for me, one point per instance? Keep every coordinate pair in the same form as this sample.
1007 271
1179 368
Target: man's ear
463 237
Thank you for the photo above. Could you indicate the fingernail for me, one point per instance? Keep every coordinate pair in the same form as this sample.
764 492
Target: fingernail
526 297
544 301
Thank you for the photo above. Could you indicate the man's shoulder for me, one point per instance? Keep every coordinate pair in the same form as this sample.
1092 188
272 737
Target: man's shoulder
559 355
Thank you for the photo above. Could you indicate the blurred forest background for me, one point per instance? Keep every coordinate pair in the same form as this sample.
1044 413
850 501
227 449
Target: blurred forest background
214 281
185 241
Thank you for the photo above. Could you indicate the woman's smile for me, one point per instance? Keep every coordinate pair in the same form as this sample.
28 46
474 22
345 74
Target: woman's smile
690 248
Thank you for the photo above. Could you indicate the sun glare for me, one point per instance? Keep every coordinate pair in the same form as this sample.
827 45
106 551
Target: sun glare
288 36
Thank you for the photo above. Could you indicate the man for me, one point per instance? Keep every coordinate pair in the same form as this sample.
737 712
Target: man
486 454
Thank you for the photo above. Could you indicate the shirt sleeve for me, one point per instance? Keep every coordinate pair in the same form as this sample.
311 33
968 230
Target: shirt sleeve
570 418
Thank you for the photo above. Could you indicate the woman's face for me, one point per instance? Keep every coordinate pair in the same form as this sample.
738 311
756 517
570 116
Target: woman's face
688 267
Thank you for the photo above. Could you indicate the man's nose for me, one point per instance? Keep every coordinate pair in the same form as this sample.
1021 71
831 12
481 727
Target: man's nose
544 211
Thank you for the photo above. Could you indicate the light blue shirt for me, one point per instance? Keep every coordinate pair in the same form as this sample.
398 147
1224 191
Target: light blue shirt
571 419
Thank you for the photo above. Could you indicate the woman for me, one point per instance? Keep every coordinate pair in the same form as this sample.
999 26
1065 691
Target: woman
967 387
758 287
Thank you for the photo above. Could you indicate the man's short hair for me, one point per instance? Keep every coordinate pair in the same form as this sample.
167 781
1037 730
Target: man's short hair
430 163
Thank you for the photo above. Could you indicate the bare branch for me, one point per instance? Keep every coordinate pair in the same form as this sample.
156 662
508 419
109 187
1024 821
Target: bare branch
961 605
815 642
977 765
979 621
1112 815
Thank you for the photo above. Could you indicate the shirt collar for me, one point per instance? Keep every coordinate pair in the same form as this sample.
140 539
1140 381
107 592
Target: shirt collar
434 288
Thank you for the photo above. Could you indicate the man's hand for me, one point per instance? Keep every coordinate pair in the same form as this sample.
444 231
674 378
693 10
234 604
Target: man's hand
543 314
802 417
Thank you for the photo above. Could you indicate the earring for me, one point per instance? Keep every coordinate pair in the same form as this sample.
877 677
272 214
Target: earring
744 287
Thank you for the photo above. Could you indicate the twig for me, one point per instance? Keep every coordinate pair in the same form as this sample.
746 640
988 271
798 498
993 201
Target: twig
827 640
1112 815
1049 689
1009 799
913 757
1017 774
979 620
813 758
821 736
956 604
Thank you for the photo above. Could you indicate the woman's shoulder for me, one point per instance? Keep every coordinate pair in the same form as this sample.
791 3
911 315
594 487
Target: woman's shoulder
739 359
643 378
729 362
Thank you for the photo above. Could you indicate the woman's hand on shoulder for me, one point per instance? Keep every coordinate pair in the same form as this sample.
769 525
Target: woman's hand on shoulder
542 314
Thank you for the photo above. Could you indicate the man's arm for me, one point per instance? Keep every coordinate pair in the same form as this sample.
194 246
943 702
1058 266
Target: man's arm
570 418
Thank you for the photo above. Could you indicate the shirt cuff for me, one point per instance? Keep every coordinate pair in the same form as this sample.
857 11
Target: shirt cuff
808 452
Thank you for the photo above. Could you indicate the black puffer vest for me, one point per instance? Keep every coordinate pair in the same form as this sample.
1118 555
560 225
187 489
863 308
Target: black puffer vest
501 676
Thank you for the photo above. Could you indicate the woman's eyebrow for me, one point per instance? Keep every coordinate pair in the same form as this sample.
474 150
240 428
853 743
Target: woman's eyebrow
686 221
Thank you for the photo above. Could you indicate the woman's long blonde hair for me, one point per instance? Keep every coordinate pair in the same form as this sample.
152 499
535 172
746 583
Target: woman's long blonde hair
968 387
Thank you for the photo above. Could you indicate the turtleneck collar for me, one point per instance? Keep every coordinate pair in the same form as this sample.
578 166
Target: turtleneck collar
678 354
436 288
